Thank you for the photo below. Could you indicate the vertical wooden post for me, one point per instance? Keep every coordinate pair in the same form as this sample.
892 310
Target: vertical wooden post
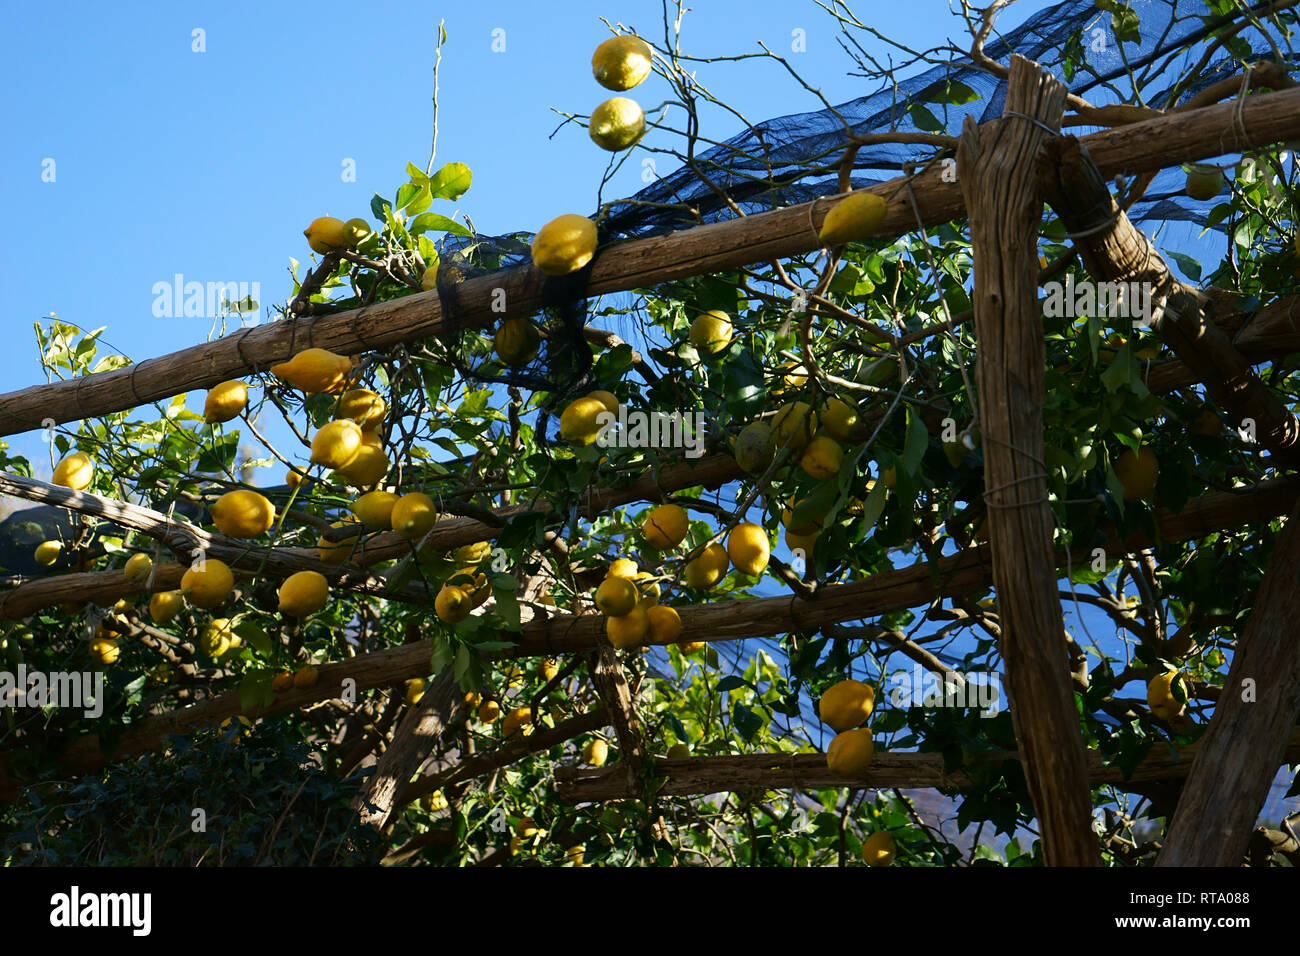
1252 723
996 168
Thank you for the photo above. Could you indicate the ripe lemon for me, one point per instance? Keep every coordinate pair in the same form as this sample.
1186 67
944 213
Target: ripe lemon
616 124
104 650
225 401
138 567
208 587
363 406
665 624
854 217
622 568
794 425
336 444
164 606
755 448
665 527
305 678
621 62
690 647
790 376
336 552
616 596
564 245
607 399
708 569
1204 182
549 669
452 604
1160 696
282 682
315 370
243 514
415 690
517 342
748 548
413 515
472 555
488 711
526 828
846 705
374 509
1137 473
367 467
840 418
711 332
292 478
435 802
595 753
822 458
579 423
217 638
850 752
879 849
326 234
520 717
303 593
629 630
647 589
811 524
355 232
371 439
47 552
74 471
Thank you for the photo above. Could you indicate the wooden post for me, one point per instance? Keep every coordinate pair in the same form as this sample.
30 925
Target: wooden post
996 167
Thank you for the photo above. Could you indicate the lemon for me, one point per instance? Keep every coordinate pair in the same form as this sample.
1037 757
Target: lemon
164 606
1206 423
628 630
711 332
303 593
326 234
527 828
336 552
488 712
472 555
315 370
517 718
452 604
755 448
355 232
104 650
370 439
595 753
429 281
607 399
791 375
822 458
665 527
708 569
794 425
574 853
306 677
564 245
622 568
74 471
138 567
748 548
435 802
374 509
690 647
549 669
336 444
616 124
218 638
282 682
413 515
846 705
850 752
225 401
1204 182
809 526
1160 696
840 418
879 849
665 624
1137 473
363 406
208 585
616 596
415 690
579 423
47 552
517 342
890 476
854 217
621 62
367 467
647 589
243 514
292 478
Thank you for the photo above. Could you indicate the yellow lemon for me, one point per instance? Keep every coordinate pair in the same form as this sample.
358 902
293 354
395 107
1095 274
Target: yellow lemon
854 217
413 515
336 552
665 527
374 509
622 568
748 548
621 62
326 234
616 124
708 569
850 752
711 332
104 650
225 401
549 669
607 399
217 638
755 447
822 458
315 370
363 406
846 705
47 552
1160 696
138 567
371 439
74 471
164 606
415 690
207 585
517 342
690 647
355 232
647 589
488 711
520 717
243 514
579 422
303 593
292 478
305 678
879 849
435 802
840 418
1206 423
794 425
595 753
452 604
629 630
1137 473
474 554
336 444
665 624
616 596
367 467
809 526
564 245
282 682
526 828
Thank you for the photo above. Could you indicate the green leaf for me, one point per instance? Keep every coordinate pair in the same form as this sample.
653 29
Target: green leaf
747 722
432 220
255 636
379 206
451 182
731 682
1191 268
917 441
924 119
948 91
